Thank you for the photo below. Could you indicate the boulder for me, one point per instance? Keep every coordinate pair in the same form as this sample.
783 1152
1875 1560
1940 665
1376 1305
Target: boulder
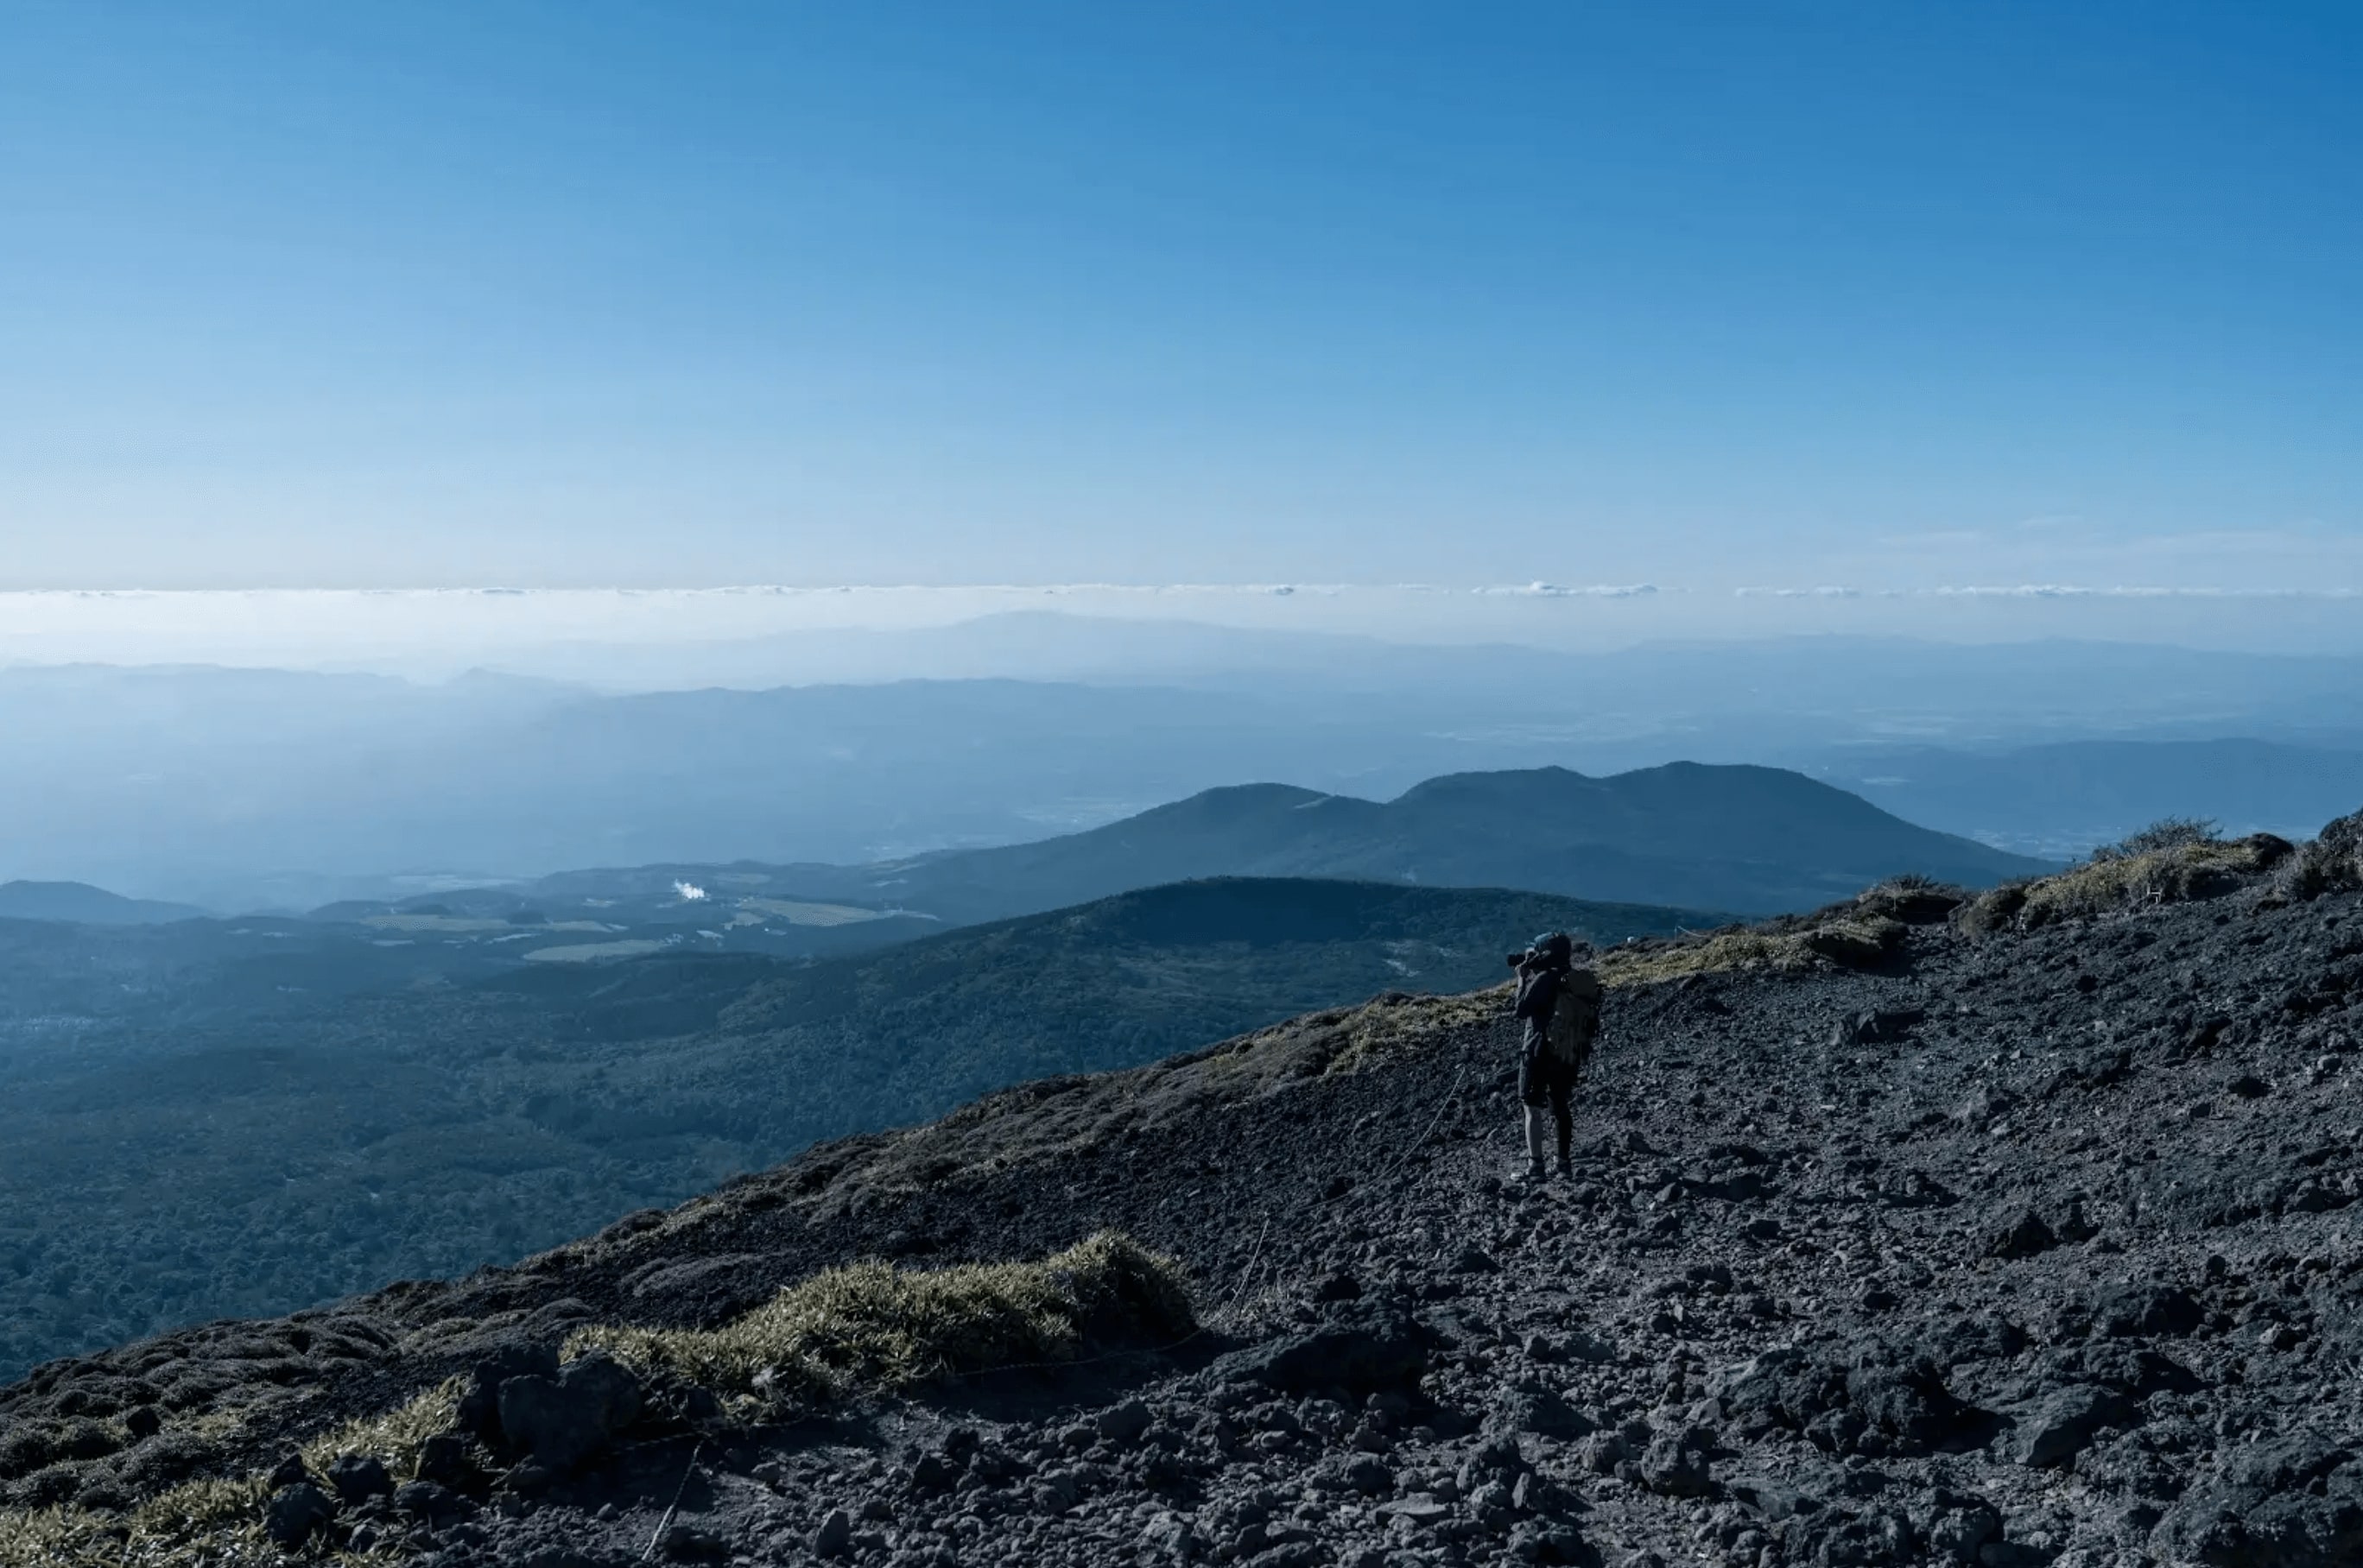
480 1406
687 1543
1540 1412
2024 1235
1958 1527
2058 1427
1125 1422
358 1477
431 1505
561 1421
1883 1403
444 1459
1361 1353
2145 1308
295 1513
1677 1467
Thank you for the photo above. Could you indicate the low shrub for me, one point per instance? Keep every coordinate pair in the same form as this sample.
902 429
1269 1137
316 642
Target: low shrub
2332 863
2166 832
1913 900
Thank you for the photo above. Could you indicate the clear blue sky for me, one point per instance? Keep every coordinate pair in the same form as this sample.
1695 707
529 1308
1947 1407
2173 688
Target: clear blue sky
1893 294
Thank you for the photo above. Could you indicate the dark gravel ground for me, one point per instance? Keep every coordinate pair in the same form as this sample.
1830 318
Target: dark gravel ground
2031 1247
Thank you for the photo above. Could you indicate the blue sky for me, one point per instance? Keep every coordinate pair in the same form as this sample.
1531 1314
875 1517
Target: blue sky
1880 296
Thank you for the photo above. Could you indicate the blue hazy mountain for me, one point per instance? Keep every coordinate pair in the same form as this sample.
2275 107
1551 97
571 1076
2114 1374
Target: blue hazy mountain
1742 838
82 904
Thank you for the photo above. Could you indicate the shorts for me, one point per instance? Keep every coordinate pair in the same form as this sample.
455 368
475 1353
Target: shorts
1545 1080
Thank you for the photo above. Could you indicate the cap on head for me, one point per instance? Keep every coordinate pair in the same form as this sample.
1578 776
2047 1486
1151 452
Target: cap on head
1555 945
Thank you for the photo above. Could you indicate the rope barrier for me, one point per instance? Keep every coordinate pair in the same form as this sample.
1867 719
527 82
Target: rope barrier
679 1492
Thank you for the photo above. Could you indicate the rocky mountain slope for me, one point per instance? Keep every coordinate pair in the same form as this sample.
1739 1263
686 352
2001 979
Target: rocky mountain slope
2007 1232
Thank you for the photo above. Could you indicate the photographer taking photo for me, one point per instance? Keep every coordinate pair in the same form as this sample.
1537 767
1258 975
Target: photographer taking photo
1558 1003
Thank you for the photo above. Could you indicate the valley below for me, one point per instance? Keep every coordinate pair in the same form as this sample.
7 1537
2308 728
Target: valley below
211 1119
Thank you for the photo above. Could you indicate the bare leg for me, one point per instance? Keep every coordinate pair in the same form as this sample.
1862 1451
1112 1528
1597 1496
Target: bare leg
1563 1111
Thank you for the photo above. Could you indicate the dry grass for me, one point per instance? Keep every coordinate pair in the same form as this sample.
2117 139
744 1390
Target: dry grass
2332 863
1852 939
396 1437
872 1327
202 1524
1378 1033
2115 881
1722 950
216 1523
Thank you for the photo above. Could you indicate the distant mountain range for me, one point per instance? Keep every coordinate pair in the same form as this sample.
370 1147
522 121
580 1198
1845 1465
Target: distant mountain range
257 789
1738 838
85 905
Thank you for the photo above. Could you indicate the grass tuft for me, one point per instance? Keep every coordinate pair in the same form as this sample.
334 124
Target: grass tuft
2332 863
2166 832
397 1437
1719 950
1376 1032
215 1523
200 1524
874 1327
1850 937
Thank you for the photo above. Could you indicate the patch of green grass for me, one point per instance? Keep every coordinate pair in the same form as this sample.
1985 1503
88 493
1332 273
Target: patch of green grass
872 1326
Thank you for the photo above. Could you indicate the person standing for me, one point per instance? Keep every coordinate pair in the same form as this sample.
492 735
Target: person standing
1558 1009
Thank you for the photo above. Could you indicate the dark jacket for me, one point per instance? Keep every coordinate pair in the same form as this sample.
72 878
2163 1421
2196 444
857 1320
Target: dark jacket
1539 981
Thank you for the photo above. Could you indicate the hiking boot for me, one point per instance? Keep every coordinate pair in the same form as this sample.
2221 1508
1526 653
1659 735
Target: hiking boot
1537 1173
1566 1169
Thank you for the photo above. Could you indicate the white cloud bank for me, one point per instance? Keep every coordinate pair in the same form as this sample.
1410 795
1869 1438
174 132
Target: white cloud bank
436 633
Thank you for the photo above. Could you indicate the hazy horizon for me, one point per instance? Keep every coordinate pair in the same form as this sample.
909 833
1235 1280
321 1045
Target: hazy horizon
700 635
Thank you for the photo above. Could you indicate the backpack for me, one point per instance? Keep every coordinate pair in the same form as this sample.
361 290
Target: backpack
1575 1019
